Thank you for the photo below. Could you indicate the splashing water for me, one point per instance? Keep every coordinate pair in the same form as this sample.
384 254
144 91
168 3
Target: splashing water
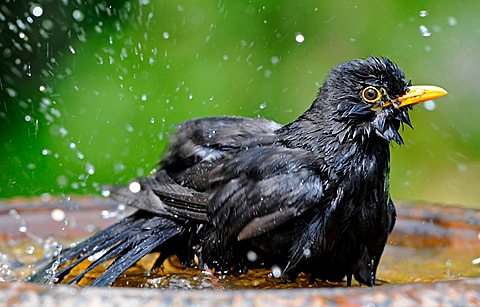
423 13
299 38
425 31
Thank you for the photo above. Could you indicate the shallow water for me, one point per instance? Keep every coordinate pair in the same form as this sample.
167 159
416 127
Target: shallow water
419 251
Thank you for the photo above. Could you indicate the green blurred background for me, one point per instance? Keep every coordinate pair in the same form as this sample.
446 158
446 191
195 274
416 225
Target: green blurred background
90 90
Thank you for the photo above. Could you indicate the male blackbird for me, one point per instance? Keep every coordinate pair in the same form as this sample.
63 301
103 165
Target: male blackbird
311 196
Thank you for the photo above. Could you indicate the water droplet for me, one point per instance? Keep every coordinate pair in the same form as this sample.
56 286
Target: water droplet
144 2
62 181
144 97
262 106
190 97
29 250
78 15
425 31
72 145
62 131
72 50
252 256
307 252
275 60
429 105
57 215
134 187
41 88
48 25
476 261
423 13
28 118
80 155
299 38
45 197
90 168
452 21
105 214
11 92
22 228
46 152
129 128
37 11
152 120
105 193
276 271
119 167
166 35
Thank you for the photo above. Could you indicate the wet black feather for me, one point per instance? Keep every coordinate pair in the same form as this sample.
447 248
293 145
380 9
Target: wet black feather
311 196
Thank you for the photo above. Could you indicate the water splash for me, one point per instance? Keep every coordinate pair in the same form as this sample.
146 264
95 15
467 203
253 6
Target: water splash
424 31
78 15
429 105
423 13
276 271
452 21
37 11
299 38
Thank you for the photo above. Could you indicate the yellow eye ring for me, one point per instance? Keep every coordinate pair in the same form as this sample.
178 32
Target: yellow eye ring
371 94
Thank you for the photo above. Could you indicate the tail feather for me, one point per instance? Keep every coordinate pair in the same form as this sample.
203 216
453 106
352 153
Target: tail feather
142 244
88 247
112 253
92 242
108 244
126 241
117 245
104 239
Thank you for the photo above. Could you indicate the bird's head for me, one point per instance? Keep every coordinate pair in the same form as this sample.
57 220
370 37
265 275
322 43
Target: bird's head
372 95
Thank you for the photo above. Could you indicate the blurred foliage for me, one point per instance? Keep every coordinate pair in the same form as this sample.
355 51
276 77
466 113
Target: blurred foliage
93 97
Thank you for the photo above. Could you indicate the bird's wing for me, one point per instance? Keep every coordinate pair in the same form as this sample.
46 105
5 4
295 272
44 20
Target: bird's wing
261 189
161 195
207 139
178 188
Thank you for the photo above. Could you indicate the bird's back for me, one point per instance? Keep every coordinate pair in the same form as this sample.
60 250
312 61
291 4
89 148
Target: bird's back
198 144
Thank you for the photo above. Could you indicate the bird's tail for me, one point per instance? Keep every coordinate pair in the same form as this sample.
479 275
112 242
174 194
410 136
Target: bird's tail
126 242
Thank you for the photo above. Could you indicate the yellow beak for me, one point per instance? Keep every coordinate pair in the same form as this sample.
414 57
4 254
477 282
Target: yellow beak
418 94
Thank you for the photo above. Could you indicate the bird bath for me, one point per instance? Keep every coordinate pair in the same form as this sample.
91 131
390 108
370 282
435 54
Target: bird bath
432 256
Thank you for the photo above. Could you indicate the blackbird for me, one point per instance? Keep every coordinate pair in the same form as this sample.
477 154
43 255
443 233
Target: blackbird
235 193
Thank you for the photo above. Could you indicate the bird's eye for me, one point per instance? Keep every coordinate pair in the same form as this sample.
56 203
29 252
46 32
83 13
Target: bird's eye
371 94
